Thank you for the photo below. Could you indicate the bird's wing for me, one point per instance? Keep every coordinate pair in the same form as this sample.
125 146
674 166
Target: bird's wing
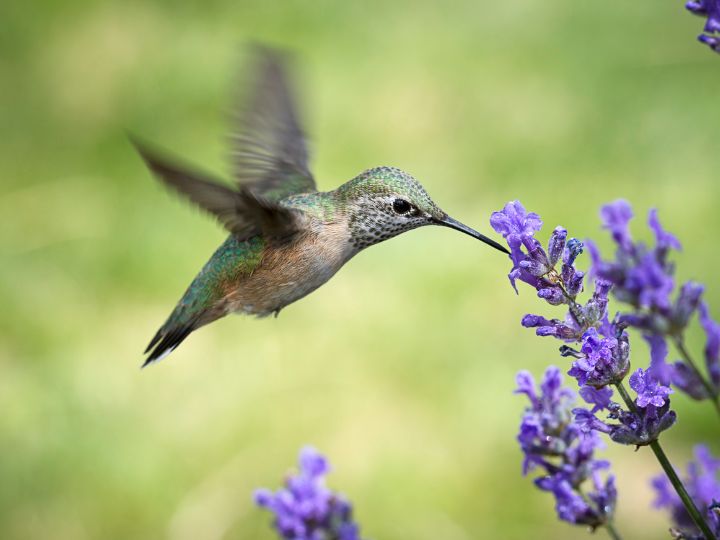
268 147
242 212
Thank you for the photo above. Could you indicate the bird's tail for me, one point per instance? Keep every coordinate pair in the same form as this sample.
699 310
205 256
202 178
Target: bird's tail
195 309
168 337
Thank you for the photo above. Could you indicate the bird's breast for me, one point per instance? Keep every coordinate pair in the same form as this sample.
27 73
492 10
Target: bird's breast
291 271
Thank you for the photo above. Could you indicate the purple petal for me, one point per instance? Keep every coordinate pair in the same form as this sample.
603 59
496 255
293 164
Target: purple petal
616 216
663 239
514 220
598 397
688 381
526 385
658 353
313 463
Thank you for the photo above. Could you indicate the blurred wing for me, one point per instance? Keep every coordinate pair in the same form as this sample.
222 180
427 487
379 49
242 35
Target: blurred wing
243 213
269 150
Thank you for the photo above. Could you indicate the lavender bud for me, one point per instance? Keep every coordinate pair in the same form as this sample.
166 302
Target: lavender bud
687 302
531 321
544 331
575 285
573 249
535 251
556 244
696 7
616 216
553 295
534 267
710 41
687 380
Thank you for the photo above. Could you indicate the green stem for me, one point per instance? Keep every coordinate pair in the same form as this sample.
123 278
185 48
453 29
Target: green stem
712 392
670 472
612 531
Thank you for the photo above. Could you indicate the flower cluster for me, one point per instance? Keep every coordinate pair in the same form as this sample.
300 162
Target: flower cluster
642 277
710 9
554 443
602 360
599 348
531 263
307 510
561 439
703 485
650 416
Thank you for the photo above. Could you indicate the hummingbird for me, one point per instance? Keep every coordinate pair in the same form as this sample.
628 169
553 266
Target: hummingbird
286 237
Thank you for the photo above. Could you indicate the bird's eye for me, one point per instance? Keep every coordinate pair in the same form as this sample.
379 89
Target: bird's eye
401 206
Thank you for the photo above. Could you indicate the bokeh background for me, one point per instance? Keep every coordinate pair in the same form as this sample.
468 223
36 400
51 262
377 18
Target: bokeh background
402 367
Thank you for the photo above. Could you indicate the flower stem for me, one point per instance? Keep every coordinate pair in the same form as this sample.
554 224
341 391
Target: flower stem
670 472
712 393
612 532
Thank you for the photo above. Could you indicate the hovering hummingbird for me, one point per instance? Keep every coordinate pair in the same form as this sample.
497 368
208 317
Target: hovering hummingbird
286 237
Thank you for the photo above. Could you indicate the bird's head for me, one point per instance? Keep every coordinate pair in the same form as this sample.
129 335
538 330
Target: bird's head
385 201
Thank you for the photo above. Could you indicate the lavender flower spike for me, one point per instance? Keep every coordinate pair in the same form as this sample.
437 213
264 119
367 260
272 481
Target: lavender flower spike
533 264
307 510
554 443
642 276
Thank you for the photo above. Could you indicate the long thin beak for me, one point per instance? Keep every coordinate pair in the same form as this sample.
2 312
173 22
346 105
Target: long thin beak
447 221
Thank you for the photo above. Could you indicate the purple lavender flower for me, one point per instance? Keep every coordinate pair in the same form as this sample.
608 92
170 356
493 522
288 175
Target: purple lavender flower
649 390
711 41
711 10
553 442
598 397
687 303
307 510
663 239
642 277
658 357
539 268
703 485
640 427
602 360
616 218
531 263
573 508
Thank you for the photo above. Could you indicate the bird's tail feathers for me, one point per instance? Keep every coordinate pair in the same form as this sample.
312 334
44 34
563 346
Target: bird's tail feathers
166 340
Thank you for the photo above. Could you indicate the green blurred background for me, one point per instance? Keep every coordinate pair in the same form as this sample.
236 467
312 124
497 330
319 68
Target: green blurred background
401 368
